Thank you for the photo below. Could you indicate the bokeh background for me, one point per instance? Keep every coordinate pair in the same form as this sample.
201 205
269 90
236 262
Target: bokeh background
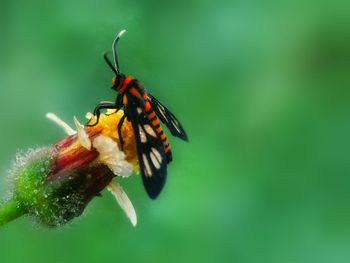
263 90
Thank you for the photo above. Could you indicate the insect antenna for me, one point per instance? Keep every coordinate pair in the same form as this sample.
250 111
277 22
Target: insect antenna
114 48
105 56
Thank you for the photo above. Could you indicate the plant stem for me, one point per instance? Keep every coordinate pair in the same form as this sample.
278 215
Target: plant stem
10 210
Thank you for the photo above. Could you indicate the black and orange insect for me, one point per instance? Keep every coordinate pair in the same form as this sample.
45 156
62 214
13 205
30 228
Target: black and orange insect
144 113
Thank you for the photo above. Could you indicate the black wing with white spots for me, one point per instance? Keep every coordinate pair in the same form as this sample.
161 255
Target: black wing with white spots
168 119
150 150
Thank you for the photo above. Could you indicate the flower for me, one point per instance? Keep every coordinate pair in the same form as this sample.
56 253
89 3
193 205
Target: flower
55 183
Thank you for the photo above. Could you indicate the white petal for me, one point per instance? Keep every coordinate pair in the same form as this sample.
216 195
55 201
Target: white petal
67 129
124 201
89 115
110 155
83 137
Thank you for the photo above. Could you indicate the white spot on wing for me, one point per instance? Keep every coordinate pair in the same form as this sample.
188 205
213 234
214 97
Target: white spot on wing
157 154
161 110
176 125
155 160
150 131
139 110
176 122
142 135
148 171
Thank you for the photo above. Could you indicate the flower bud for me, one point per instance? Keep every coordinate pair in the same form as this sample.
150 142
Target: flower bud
54 184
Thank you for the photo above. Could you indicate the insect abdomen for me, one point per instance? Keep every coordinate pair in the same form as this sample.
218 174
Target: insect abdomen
151 115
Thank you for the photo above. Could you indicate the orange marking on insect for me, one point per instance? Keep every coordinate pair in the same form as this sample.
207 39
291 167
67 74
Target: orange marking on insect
167 149
125 83
159 129
147 106
155 122
125 100
114 79
135 92
145 96
151 115
162 136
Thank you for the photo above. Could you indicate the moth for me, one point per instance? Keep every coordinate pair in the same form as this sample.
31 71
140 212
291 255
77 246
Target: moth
145 114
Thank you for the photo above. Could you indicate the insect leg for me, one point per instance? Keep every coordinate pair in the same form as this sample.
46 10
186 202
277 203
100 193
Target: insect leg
116 110
120 124
118 103
98 108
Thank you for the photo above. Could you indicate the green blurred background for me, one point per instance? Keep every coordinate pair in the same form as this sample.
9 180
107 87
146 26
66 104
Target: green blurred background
262 90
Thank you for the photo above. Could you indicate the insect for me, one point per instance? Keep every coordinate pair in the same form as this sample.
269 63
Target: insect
144 112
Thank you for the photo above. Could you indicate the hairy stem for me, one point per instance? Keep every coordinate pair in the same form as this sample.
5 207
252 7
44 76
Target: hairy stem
9 211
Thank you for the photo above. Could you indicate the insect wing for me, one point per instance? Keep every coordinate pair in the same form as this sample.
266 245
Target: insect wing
150 150
168 119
